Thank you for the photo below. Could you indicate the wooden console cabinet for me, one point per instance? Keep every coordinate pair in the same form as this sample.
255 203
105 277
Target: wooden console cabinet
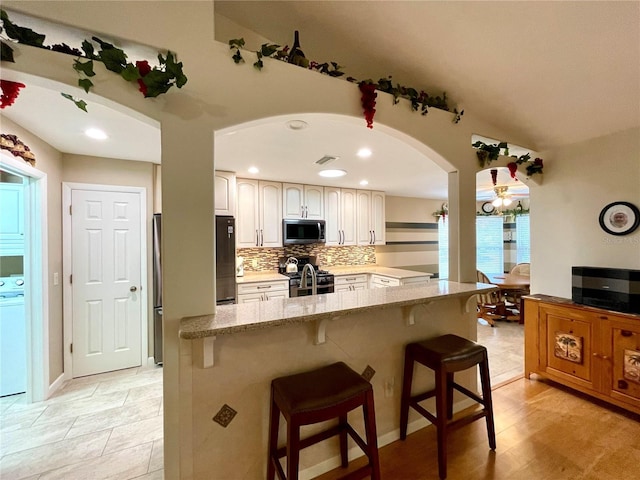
591 350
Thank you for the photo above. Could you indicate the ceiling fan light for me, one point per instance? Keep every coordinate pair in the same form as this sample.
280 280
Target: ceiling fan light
506 202
497 202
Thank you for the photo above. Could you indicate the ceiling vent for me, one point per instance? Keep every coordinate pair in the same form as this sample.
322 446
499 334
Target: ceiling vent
326 159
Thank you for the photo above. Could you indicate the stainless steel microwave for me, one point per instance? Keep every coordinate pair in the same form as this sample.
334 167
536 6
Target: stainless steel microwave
299 232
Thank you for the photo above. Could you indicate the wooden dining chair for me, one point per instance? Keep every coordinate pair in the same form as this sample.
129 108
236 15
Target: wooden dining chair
491 307
514 296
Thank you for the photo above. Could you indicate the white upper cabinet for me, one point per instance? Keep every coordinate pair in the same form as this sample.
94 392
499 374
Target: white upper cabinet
340 216
378 223
225 193
259 218
302 201
270 214
370 217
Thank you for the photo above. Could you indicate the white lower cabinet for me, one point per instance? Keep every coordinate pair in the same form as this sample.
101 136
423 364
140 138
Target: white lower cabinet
262 291
347 283
380 281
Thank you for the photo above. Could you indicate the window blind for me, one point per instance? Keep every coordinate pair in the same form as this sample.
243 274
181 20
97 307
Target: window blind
523 239
489 244
443 248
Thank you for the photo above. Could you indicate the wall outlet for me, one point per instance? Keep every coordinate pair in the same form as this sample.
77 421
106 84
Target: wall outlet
56 278
329 257
254 262
389 383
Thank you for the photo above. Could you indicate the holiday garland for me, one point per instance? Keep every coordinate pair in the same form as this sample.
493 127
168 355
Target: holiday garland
151 81
420 100
488 153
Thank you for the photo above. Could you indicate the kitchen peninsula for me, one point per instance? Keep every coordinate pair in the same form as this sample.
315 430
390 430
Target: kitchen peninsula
228 360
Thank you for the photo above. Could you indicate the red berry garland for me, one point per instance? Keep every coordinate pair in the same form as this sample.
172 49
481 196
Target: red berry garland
10 91
368 100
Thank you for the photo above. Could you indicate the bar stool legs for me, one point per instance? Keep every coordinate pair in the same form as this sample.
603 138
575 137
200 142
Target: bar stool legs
446 355
312 397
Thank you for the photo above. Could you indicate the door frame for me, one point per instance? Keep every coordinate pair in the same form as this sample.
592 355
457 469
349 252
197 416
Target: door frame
67 264
36 270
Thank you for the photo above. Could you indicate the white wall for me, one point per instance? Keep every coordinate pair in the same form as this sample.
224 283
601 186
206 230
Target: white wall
49 161
580 180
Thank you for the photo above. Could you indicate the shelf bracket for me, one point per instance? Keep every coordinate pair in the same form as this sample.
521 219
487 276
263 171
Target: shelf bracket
203 351
409 313
321 330
470 304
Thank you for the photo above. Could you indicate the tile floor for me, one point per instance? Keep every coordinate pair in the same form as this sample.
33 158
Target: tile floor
97 427
505 345
110 425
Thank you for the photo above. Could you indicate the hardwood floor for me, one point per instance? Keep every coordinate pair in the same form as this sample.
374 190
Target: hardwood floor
544 432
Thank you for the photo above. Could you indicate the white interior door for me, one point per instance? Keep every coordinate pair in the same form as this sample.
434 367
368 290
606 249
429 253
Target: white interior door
106 286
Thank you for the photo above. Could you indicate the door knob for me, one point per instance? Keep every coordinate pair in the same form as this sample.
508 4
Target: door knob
133 289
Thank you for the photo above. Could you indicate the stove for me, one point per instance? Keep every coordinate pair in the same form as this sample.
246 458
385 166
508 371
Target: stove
324 279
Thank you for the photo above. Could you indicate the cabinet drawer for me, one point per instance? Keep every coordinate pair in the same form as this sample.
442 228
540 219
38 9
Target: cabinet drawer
350 279
380 281
263 287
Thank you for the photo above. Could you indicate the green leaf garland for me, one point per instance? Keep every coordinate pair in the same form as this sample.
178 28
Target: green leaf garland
151 81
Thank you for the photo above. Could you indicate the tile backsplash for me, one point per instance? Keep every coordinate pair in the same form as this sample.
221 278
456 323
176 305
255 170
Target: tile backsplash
266 259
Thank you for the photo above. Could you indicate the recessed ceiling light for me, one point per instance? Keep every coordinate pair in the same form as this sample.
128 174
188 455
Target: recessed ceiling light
296 124
364 182
364 153
95 133
332 173
253 170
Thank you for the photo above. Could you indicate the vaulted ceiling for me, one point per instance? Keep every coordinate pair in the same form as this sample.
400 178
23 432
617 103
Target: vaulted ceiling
553 73
548 73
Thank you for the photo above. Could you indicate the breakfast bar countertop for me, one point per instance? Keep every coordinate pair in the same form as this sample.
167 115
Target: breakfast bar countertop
230 319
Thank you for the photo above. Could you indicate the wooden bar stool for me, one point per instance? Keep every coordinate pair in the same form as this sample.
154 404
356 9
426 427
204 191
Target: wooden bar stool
316 396
446 355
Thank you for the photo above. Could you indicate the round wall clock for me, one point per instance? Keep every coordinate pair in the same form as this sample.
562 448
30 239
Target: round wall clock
619 218
487 207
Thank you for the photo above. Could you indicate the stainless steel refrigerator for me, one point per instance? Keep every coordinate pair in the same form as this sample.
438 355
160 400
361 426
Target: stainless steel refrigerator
225 260
225 272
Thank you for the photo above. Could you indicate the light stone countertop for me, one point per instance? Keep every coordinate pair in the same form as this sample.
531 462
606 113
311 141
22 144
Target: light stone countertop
230 319
376 269
269 276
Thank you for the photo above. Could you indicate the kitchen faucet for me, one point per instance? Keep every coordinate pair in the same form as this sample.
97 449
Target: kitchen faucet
303 279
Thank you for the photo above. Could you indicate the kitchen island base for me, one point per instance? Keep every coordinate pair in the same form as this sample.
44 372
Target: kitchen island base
229 401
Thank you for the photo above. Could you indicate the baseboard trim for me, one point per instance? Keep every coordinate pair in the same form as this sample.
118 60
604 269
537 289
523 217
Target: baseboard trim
55 386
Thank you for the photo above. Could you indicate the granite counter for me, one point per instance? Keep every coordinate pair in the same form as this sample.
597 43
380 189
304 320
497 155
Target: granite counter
230 319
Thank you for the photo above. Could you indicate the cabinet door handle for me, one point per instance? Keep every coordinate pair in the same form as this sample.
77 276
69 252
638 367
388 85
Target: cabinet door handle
374 237
626 333
306 211
261 237
263 286
623 385
257 239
